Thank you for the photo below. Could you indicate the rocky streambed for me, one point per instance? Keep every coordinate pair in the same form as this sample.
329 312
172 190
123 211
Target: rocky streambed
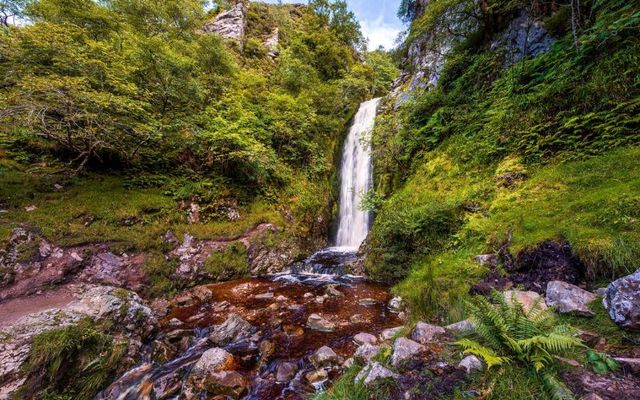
279 337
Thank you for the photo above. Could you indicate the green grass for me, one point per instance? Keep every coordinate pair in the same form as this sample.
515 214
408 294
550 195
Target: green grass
74 362
229 263
100 208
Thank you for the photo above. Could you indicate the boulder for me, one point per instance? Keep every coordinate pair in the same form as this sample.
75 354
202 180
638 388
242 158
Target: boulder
490 260
462 327
527 299
324 357
226 383
404 349
317 323
471 364
569 299
622 301
214 360
362 338
332 290
375 373
233 329
286 371
425 333
318 376
366 352
396 304
390 333
367 302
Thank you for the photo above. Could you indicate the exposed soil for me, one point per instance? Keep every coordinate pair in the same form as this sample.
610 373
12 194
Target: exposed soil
12 310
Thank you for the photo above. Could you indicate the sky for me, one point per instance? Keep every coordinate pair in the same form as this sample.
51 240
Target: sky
377 18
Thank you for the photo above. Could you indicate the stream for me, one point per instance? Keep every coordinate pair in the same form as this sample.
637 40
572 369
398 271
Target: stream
291 315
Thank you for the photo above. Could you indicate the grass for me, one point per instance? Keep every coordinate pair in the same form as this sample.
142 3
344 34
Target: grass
71 362
100 208
229 263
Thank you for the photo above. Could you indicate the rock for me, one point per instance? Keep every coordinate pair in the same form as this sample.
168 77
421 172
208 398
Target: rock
600 291
365 338
317 323
366 352
331 290
193 214
487 259
375 373
233 329
471 364
425 333
202 293
629 364
316 377
404 349
226 383
308 295
320 299
591 396
230 24
123 310
30 208
461 327
323 357
367 302
527 299
358 319
524 37
281 299
622 301
390 333
569 299
286 371
264 296
396 304
214 360
272 43
266 349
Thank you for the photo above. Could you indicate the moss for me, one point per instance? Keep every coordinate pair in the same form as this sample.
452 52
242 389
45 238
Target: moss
161 275
229 263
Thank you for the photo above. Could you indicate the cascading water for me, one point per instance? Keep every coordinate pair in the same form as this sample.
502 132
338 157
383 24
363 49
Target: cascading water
326 267
355 178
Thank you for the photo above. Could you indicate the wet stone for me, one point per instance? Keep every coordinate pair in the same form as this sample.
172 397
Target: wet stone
362 338
324 357
318 323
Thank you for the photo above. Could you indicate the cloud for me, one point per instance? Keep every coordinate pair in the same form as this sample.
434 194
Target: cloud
379 33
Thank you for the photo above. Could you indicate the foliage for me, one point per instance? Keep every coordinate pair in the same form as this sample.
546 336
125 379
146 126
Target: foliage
511 334
229 263
75 361
601 363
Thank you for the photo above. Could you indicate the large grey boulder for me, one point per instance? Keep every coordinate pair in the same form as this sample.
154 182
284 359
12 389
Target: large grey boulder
528 299
462 327
569 299
622 301
404 349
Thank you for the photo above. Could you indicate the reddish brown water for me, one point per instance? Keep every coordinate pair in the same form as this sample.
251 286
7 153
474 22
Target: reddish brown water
285 322
282 322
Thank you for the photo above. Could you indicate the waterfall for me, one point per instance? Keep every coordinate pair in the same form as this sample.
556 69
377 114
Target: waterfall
356 178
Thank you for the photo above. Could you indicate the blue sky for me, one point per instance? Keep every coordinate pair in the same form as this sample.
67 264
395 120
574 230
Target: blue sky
377 18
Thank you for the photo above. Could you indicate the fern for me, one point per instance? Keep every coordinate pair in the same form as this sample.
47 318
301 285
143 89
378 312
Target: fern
531 338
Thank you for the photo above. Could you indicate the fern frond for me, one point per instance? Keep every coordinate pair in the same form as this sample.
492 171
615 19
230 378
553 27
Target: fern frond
488 355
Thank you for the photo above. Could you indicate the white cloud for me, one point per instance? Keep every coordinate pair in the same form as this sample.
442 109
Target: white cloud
379 33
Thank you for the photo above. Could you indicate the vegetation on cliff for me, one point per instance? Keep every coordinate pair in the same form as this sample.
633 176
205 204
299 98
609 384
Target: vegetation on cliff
511 155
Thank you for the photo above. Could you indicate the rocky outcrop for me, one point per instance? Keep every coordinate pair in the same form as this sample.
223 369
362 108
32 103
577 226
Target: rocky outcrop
124 309
524 37
272 43
569 299
230 24
425 333
404 349
622 301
